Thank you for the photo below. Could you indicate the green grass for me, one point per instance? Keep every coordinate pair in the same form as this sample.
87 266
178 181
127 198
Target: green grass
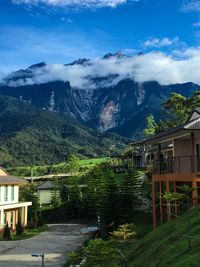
167 246
25 171
88 163
28 233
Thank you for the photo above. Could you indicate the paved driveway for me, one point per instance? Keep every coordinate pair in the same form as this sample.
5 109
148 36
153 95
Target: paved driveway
55 244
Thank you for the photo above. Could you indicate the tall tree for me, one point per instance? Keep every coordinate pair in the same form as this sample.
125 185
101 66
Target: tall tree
130 193
176 108
73 164
151 127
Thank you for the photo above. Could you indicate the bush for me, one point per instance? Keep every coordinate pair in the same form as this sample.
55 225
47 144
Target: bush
19 227
40 220
6 232
34 220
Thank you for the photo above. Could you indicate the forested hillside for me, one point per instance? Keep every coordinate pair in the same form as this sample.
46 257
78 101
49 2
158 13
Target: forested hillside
29 135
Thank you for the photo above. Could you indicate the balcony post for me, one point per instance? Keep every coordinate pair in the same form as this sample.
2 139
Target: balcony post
154 203
161 203
192 153
167 186
194 193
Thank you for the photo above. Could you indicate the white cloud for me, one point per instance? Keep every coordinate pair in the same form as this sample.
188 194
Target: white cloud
196 24
192 5
142 68
156 42
68 20
75 3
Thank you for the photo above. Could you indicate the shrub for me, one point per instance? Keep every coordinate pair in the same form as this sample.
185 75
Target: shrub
19 227
40 220
34 220
6 232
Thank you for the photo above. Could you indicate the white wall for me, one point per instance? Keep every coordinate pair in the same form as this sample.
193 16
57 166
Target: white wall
45 196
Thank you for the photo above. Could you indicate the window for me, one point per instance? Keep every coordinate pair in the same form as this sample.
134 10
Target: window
6 193
12 193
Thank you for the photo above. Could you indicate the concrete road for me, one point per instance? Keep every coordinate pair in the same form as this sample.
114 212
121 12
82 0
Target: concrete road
54 243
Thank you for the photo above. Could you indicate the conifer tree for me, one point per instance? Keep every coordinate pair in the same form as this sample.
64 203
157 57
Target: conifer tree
130 192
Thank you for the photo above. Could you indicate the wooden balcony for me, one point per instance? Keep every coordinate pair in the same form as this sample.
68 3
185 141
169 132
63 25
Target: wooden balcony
185 168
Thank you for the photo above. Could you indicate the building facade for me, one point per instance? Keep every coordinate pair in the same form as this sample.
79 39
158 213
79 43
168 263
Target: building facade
10 207
176 162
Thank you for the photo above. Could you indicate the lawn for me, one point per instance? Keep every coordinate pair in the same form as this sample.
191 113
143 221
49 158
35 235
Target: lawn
27 171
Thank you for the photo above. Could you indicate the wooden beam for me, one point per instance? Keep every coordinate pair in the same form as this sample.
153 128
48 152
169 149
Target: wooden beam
176 208
194 193
167 186
161 203
179 177
154 204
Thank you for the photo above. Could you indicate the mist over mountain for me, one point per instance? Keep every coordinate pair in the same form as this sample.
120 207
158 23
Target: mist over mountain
114 93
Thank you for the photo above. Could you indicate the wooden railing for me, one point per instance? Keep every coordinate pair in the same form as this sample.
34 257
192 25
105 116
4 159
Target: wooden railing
185 164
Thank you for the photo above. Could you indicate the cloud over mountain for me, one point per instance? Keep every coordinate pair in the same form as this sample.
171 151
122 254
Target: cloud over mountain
110 70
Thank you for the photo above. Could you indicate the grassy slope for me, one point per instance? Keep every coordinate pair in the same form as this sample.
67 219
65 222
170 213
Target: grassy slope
167 246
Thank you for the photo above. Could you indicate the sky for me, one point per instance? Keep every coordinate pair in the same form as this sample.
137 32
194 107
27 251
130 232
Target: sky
60 31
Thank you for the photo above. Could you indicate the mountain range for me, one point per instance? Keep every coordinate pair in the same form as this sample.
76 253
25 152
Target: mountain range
121 108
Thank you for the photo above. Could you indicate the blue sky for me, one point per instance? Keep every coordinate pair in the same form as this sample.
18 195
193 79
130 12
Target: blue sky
58 31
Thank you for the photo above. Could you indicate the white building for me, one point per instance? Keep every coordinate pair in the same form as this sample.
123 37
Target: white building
10 207
46 191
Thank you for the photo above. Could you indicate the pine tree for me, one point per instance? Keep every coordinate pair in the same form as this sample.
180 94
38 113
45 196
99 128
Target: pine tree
40 219
130 193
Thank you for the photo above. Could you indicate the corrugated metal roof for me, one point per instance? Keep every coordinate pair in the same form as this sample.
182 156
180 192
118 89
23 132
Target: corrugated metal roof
195 125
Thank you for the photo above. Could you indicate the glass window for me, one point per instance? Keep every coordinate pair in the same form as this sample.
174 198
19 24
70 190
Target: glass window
6 193
12 193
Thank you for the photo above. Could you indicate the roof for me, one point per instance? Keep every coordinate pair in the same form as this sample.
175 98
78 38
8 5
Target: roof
47 186
194 114
191 124
8 179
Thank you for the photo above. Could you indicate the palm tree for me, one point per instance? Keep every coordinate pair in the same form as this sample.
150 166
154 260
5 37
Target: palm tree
170 197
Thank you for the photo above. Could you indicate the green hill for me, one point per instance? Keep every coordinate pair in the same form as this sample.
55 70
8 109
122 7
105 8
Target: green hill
167 246
29 135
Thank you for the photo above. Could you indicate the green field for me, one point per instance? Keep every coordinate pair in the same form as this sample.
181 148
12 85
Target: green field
168 245
84 164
